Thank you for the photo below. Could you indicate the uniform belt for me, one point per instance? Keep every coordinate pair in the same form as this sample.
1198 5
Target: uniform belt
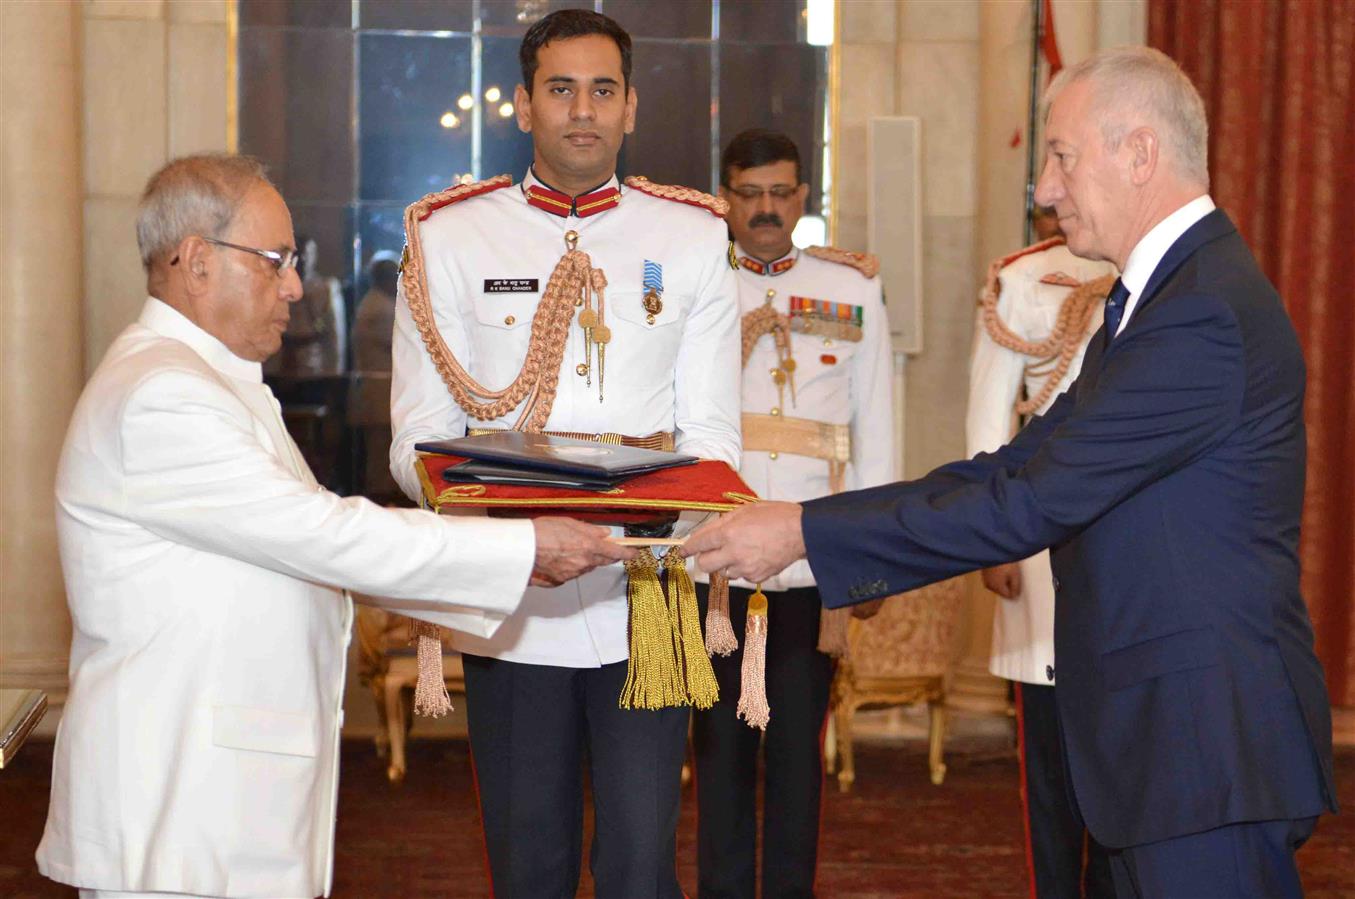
659 440
799 436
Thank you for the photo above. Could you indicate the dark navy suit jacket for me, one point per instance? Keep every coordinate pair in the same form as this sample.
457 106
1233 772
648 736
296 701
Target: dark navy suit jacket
1168 482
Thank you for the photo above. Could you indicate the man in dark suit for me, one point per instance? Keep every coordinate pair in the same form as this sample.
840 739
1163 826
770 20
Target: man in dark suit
1168 483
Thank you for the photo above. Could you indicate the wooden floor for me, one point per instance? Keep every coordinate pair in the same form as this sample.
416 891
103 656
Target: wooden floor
894 836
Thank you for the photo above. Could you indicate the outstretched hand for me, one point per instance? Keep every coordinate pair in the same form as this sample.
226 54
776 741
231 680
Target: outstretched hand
1004 580
566 549
754 542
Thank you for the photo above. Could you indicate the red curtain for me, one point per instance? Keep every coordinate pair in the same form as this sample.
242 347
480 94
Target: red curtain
1279 86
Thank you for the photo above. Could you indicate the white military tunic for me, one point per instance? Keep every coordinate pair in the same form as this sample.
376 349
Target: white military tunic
837 381
1023 628
488 259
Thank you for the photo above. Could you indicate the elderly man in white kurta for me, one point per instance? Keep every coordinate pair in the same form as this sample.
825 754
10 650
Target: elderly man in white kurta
1037 311
198 749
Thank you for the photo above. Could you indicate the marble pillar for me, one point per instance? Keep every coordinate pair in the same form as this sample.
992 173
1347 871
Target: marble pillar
41 334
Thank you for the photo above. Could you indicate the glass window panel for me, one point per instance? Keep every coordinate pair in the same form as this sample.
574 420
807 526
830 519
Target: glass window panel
645 18
504 147
788 95
295 93
512 18
763 21
380 227
415 137
297 13
671 143
417 15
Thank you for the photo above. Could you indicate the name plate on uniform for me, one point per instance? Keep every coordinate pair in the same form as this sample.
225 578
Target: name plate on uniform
511 285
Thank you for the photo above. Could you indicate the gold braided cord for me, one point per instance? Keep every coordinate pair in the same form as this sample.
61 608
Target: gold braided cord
716 205
765 320
1063 341
573 278
867 264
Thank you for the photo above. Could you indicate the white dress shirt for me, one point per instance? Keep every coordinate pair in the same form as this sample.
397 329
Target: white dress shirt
679 372
838 381
1023 628
1150 249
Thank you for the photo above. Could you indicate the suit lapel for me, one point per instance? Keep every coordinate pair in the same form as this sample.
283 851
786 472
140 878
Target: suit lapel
1210 228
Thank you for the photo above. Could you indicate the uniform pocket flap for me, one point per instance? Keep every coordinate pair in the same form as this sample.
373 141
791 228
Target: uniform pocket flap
265 730
1181 651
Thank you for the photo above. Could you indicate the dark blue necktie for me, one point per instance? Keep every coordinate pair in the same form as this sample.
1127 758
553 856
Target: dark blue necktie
1115 309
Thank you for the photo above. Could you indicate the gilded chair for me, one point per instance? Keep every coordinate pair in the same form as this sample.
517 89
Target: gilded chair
387 666
901 656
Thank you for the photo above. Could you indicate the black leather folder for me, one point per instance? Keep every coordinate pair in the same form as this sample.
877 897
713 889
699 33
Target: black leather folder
579 460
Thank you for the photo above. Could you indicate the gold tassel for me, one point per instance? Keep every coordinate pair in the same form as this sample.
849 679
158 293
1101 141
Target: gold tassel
702 688
431 699
720 638
653 680
833 631
753 706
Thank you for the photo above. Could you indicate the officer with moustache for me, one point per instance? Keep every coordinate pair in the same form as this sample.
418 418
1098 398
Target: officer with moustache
649 357
817 419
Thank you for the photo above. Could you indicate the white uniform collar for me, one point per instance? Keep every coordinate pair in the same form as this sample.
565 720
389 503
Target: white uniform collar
770 269
605 196
169 322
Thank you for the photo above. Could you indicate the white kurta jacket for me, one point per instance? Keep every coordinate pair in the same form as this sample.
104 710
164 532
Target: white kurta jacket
1023 629
198 750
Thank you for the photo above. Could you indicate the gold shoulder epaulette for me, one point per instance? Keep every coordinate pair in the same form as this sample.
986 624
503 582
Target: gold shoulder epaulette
867 264
422 209
712 204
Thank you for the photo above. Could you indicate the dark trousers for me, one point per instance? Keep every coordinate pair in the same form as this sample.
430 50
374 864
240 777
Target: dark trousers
1238 861
531 729
1058 840
798 682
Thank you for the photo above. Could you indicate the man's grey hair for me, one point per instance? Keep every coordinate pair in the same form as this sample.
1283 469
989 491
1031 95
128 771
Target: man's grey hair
1134 86
194 195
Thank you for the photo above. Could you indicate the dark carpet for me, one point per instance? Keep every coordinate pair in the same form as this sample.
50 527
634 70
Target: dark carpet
894 836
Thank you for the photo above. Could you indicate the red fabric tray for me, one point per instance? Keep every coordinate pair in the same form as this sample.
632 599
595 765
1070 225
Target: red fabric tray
706 486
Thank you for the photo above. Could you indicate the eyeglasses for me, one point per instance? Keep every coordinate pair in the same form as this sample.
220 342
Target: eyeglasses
282 262
779 192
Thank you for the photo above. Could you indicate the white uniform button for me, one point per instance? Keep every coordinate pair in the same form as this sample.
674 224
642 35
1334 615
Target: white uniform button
776 410
508 320
772 456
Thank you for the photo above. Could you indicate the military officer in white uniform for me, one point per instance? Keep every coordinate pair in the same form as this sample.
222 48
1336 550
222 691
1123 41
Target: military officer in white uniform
660 363
1036 313
817 419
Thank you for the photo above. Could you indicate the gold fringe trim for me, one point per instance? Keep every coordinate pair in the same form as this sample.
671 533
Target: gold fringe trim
431 699
833 632
720 637
702 688
653 680
753 707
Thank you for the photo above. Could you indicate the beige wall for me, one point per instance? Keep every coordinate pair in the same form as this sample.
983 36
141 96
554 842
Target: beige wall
97 95
41 352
